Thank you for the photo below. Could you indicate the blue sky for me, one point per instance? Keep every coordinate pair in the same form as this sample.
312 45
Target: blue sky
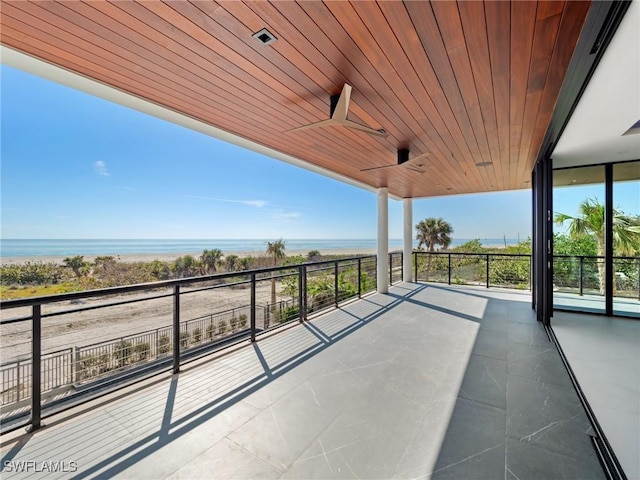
76 166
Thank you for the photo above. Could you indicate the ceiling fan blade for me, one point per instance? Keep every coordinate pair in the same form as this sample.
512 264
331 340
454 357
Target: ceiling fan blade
364 128
322 123
377 168
342 107
414 168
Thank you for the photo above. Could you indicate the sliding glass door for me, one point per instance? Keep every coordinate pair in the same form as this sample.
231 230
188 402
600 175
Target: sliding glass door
596 263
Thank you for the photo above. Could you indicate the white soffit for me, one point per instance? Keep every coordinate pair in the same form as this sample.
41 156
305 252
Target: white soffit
609 106
27 63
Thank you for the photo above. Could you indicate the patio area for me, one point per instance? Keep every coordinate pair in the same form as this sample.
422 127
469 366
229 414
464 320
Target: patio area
428 381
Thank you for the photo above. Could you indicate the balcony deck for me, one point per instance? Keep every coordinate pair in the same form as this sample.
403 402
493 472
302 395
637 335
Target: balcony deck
428 381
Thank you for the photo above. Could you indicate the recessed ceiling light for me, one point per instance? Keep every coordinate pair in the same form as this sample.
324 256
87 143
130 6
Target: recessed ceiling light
264 36
483 164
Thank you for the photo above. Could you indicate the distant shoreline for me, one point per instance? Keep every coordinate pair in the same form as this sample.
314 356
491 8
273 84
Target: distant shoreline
171 256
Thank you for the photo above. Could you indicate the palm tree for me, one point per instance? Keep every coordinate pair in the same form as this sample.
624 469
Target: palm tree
591 221
431 233
76 263
275 250
210 259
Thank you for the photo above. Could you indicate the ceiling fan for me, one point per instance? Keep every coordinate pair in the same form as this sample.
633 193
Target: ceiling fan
338 115
415 164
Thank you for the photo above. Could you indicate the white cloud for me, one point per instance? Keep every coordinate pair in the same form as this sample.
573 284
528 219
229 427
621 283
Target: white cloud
251 203
101 168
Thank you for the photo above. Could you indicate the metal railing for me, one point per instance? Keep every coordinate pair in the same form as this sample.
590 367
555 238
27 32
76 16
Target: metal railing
486 269
63 374
579 274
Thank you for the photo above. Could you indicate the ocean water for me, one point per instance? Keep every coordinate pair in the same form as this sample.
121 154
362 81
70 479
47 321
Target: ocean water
68 247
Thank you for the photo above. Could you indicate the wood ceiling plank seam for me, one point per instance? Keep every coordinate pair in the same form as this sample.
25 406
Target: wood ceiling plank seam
206 79
182 52
74 43
435 51
361 141
478 47
571 23
435 98
326 21
366 12
316 134
368 74
450 25
421 97
239 34
359 79
498 19
195 35
205 24
523 15
545 38
354 25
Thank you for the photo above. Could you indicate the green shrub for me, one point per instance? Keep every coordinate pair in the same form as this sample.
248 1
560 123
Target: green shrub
184 339
122 352
242 319
164 344
210 331
222 327
290 313
233 323
197 336
142 351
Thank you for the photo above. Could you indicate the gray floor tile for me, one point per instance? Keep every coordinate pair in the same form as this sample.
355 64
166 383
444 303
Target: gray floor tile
474 442
485 381
226 460
542 364
528 334
548 416
530 462
491 344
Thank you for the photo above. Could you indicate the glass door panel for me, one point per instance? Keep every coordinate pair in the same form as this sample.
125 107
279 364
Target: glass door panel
626 239
579 234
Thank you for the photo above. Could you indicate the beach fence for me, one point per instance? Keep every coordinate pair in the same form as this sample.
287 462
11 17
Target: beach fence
64 369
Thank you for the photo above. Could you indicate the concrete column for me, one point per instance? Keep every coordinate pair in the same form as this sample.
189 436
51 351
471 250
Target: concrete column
383 241
407 271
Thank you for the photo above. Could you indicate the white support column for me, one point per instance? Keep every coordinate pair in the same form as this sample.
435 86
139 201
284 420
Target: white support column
383 241
407 273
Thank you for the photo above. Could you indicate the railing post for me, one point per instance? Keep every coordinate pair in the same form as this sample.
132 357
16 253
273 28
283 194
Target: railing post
36 374
415 265
335 283
487 270
300 293
303 293
639 279
390 269
401 266
581 270
359 278
253 307
449 269
176 329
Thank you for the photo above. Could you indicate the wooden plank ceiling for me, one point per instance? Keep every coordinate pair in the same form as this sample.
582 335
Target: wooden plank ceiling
466 82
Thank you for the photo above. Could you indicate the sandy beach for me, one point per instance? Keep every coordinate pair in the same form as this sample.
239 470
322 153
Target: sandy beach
169 257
